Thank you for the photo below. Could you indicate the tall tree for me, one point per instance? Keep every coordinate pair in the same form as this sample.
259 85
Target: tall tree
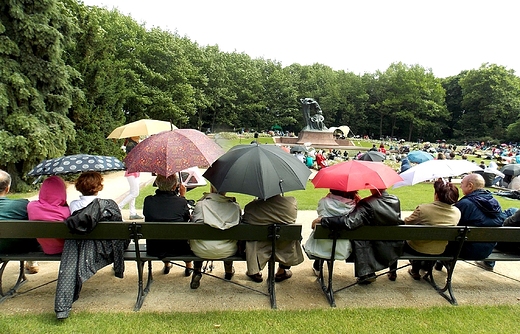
415 98
35 83
491 101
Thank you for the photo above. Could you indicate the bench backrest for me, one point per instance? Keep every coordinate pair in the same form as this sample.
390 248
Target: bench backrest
205 232
148 230
493 234
400 232
43 229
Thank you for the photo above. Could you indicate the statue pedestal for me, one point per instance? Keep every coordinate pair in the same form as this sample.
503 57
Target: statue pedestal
316 138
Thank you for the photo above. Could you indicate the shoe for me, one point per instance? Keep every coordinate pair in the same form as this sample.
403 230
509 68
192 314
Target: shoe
166 269
195 280
483 265
392 276
415 276
316 272
366 279
135 217
187 272
283 276
34 269
256 277
438 266
229 276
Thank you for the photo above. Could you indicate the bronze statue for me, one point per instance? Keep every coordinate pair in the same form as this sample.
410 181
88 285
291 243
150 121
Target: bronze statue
314 122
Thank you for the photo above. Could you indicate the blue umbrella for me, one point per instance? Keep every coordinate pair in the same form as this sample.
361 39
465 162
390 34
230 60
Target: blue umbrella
419 156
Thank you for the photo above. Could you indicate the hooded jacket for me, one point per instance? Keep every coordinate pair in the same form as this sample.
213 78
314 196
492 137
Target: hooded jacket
479 208
50 206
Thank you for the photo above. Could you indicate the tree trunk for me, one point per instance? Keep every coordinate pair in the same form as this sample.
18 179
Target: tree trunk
410 131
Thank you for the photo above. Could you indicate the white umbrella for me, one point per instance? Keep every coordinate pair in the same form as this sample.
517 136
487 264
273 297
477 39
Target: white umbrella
434 169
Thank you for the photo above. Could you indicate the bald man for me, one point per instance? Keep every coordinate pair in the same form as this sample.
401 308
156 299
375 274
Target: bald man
478 207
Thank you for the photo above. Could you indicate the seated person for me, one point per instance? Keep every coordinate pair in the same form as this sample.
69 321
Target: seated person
15 209
274 210
405 164
51 206
379 209
336 203
218 211
82 258
478 207
168 205
440 212
513 220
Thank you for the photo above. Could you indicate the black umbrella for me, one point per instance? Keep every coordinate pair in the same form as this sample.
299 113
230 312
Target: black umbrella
373 156
511 169
298 148
259 170
77 164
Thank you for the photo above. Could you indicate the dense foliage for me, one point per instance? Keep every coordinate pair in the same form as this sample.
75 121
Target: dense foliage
71 73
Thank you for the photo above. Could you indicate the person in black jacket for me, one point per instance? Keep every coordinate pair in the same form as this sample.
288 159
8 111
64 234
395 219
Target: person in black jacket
379 209
168 205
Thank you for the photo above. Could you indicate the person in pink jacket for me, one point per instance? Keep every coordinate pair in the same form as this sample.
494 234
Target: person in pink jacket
51 206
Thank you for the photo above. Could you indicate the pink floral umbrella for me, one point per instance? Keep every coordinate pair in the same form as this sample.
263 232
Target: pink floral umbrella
169 152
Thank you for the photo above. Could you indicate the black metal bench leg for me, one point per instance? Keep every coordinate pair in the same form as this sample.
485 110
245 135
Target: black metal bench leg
19 282
142 292
329 293
450 266
270 282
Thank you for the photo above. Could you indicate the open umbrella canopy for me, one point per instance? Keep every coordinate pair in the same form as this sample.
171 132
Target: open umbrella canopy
511 169
77 164
356 175
434 169
259 170
419 156
298 148
169 152
373 156
142 127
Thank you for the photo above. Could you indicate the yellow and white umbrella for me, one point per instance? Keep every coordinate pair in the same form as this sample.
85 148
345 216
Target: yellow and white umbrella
142 127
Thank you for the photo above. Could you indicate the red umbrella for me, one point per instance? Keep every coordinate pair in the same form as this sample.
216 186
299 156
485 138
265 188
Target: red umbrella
169 152
356 175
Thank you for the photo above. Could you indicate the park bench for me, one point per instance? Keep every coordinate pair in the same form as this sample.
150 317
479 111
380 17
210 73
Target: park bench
454 234
137 251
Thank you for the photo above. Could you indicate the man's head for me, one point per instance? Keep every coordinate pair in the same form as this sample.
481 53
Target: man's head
169 183
472 182
5 182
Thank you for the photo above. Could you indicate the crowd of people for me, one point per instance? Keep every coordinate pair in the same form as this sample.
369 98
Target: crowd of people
338 210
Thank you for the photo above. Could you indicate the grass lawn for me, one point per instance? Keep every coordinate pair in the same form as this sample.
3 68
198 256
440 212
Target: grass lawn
410 196
449 319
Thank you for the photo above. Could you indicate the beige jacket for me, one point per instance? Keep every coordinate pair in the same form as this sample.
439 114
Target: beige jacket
217 211
436 213
277 209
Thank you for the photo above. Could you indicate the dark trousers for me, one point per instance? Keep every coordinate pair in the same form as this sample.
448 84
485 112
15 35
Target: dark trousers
416 265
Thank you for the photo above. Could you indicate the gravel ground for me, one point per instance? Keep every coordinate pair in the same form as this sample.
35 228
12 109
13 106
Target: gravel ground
104 292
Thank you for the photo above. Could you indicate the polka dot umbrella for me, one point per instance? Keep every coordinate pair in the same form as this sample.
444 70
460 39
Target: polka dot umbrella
77 164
